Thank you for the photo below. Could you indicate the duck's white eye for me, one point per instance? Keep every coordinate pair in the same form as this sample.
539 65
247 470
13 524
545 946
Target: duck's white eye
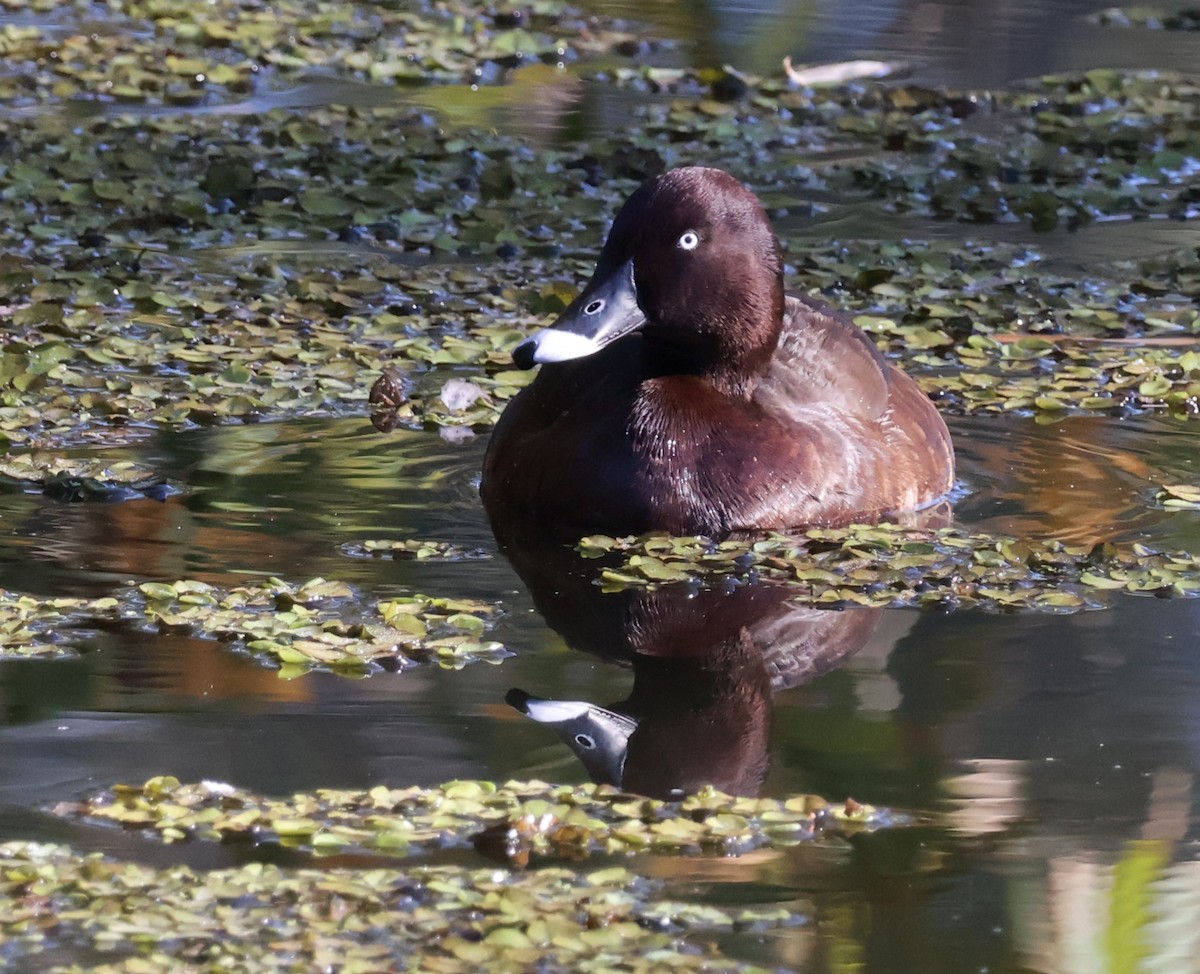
689 241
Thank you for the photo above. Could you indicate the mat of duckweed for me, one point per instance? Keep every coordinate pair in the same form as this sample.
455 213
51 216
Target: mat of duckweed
298 628
125 918
891 565
329 625
513 820
140 920
1152 18
244 262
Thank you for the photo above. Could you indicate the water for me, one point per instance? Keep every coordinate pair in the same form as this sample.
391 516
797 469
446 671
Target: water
1045 753
1036 742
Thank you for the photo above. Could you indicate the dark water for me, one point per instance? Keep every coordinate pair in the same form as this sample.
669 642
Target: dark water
1052 754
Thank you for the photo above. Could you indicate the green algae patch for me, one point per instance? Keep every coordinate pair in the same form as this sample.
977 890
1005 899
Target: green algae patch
51 628
128 918
323 625
890 565
514 822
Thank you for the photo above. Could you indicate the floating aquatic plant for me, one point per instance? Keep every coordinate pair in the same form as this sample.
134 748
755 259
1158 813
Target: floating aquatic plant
514 820
322 624
414 549
32 627
1153 18
164 52
316 625
889 565
75 912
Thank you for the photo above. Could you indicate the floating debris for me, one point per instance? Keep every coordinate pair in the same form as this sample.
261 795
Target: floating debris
838 73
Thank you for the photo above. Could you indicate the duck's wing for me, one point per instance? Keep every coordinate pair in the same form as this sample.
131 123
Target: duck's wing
823 358
842 434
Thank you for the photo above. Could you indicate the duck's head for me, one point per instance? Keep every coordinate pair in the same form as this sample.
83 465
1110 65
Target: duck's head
691 263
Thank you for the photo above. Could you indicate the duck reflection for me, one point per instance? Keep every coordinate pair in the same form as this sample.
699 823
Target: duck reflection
705 662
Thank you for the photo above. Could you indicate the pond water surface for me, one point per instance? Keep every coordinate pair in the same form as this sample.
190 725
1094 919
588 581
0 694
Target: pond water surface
1047 753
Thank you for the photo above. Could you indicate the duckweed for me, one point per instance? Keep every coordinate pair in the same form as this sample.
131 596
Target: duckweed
300 284
514 821
1153 18
322 624
166 52
889 565
415 549
128 918
50 628
39 468
316 625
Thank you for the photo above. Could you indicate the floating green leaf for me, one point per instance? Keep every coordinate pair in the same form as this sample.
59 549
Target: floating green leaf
51 628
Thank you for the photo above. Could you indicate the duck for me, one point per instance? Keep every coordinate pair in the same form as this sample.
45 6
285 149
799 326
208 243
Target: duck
684 391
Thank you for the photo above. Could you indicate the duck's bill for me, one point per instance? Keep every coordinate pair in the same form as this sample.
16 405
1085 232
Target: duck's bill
605 311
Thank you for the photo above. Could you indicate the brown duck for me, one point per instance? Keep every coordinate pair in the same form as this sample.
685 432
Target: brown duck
684 391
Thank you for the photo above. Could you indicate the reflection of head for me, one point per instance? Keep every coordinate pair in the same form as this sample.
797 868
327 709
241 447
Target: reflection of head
705 664
691 722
